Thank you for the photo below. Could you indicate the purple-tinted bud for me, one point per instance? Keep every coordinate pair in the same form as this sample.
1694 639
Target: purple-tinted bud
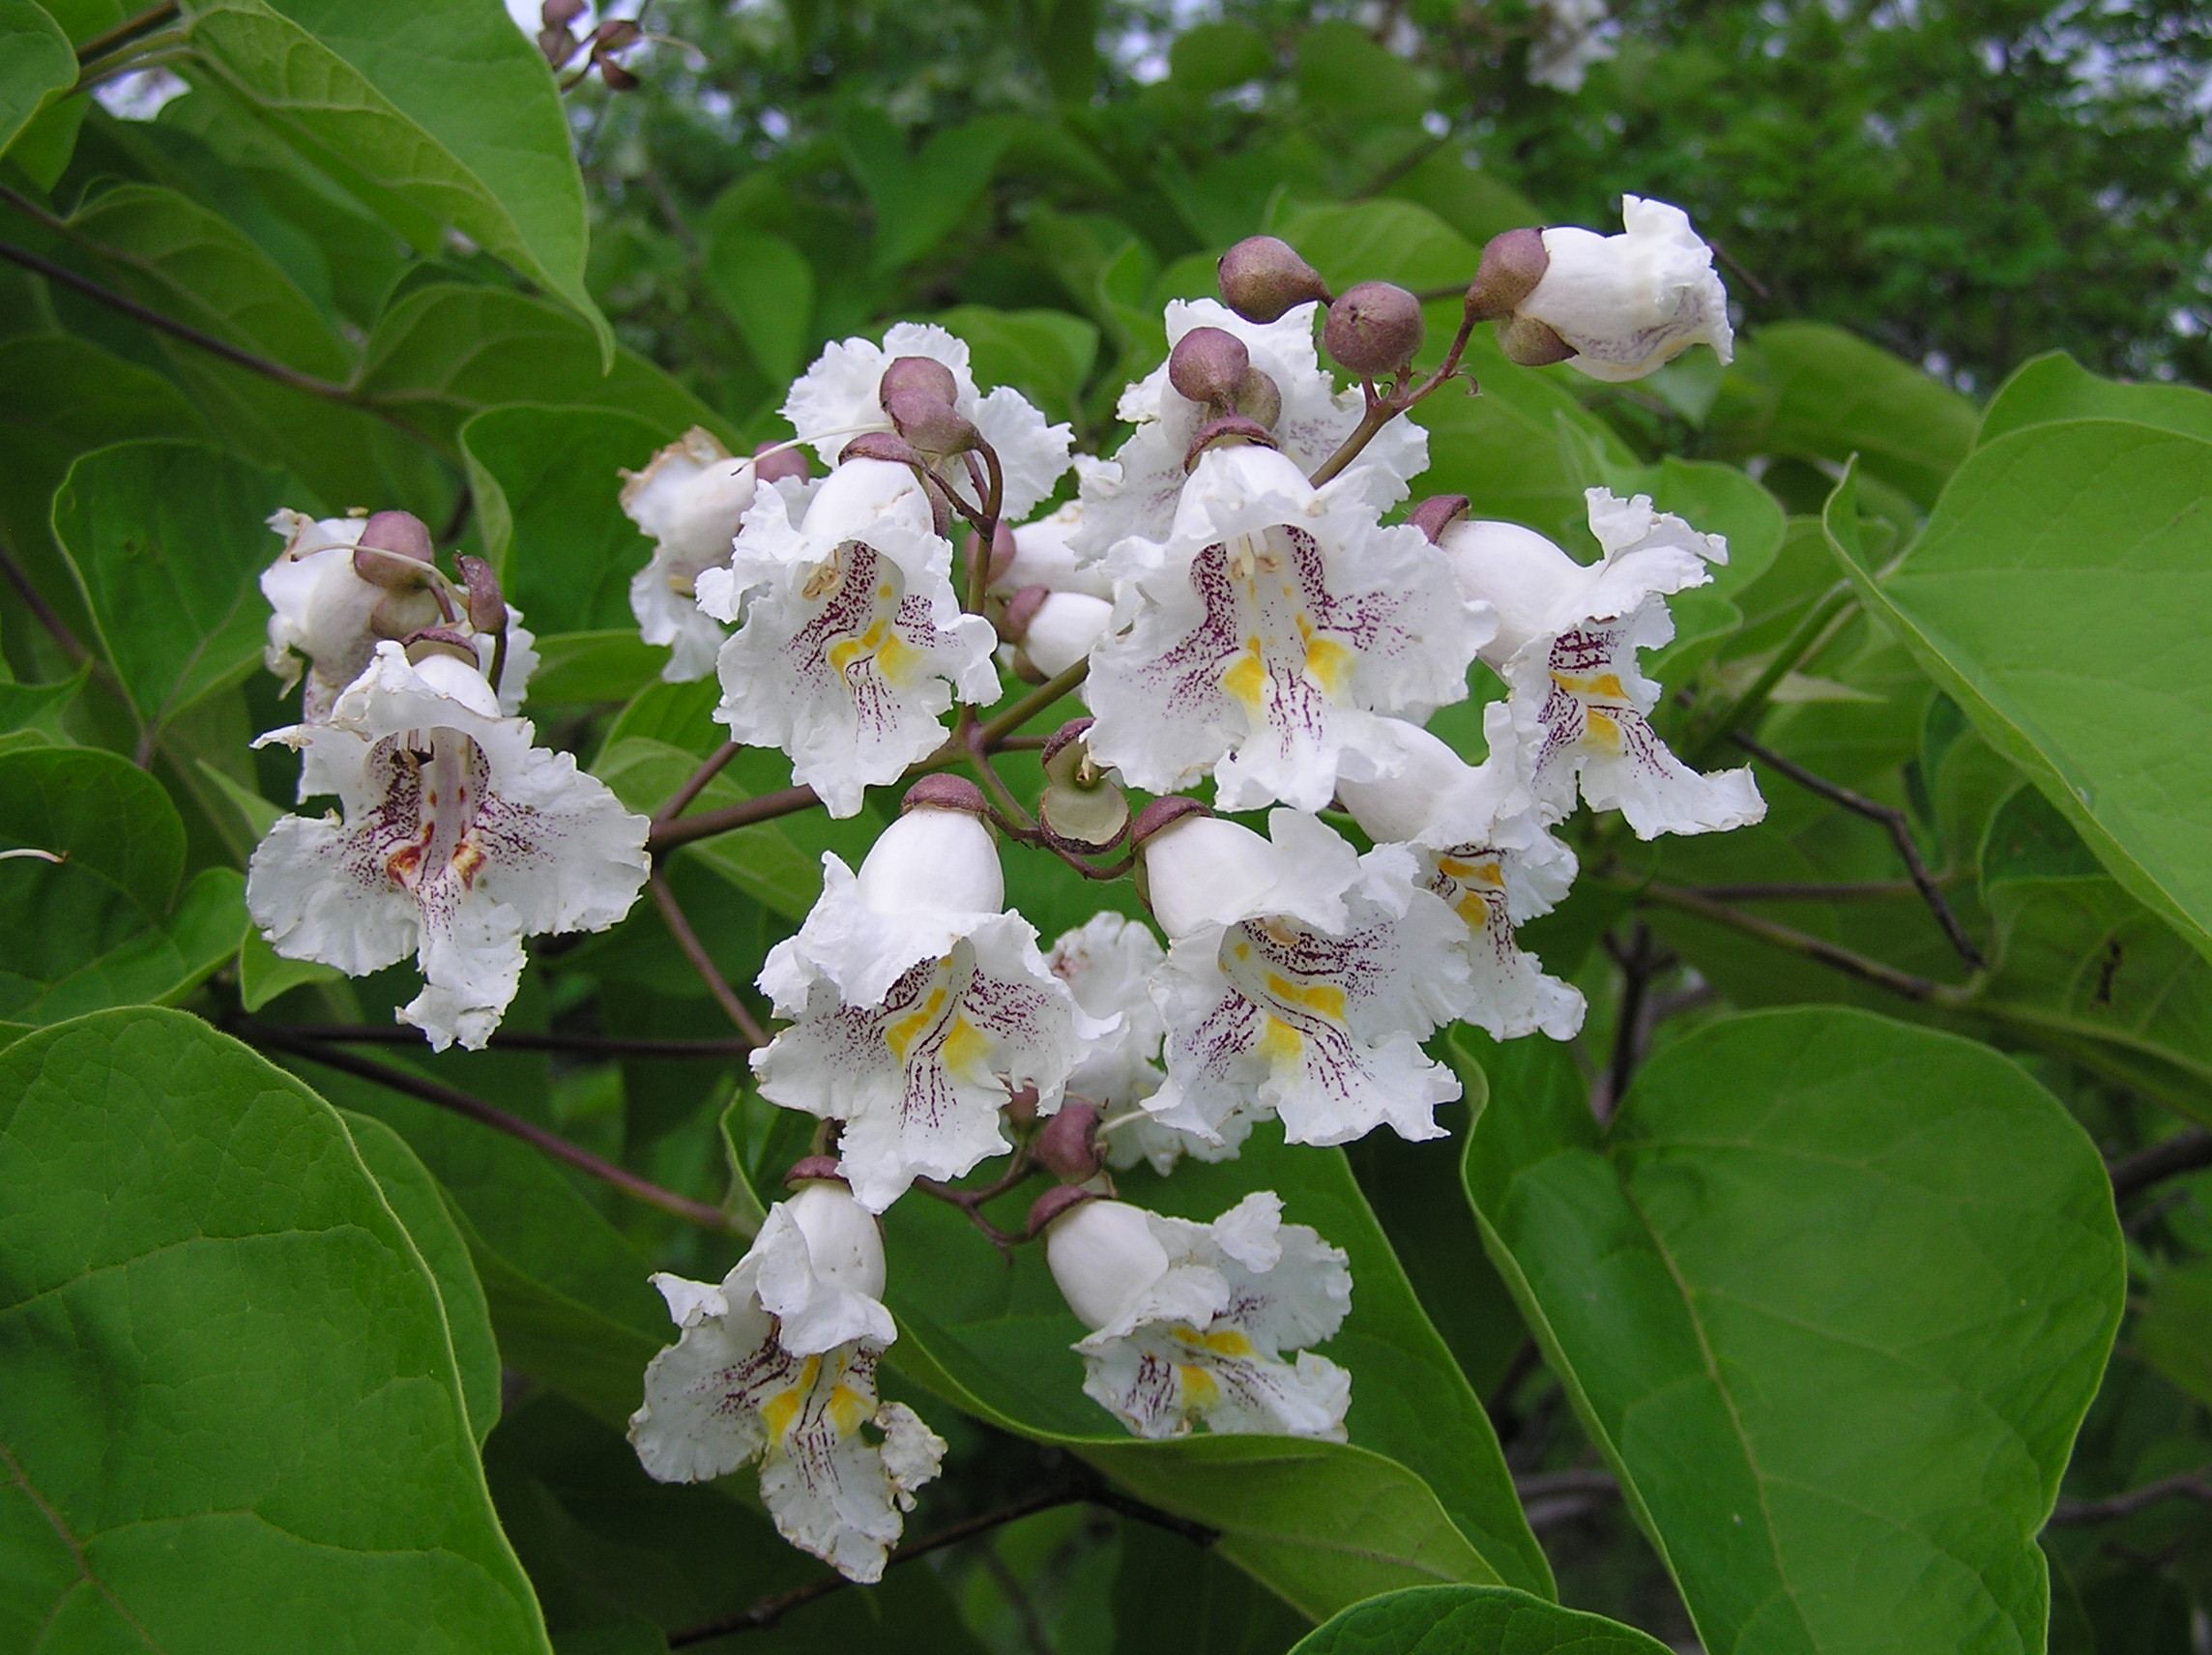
923 376
1259 398
617 33
941 791
1163 813
1262 277
1074 730
880 446
1003 550
1052 1204
1021 609
1208 365
487 610
932 424
560 14
1068 1145
1437 513
772 462
438 641
617 77
1229 428
813 1169
1374 328
1021 1105
1531 344
390 541
1512 265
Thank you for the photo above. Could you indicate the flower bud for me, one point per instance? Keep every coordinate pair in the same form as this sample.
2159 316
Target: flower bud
1068 1148
1161 814
1021 609
1201 870
1437 513
439 641
1104 1255
934 858
880 446
920 376
1051 1203
1262 277
773 463
1227 430
1021 1106
808 1168
939 791
1208 365
933 426
400 615
1512 265
616 77
1083 806
1064 628
617 33
1259 398
393 551
487 610
1623 305
1373 329
560 14
1531 344
843 1241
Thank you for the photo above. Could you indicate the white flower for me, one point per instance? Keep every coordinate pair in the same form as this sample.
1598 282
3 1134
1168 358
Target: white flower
778 1364
1190 1320
459 840
1630 302
1135 492
688 501
1567 643
1065 627
1108 963
1567 42
852 645
324 617
1044 555
1481 849
1304 987
917 1007
1268 631
838 396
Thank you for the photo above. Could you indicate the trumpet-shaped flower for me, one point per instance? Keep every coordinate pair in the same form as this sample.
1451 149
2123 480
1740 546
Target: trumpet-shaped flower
1108 964
778 1364
459 838
1268 632
1304 987
688 501
1136 491
1629 303
1481 849
917 1007
840 394
853 644
1567 645
1189 1321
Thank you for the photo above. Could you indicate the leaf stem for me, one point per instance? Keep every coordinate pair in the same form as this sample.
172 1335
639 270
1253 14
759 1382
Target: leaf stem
681 799
1828 953
2187 1151
2182 1485
130 29
998 727
702 962
1810 637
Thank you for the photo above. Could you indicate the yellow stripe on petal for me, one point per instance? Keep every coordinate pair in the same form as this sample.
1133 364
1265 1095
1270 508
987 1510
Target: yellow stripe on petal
1247 677
901 1032
1324 998
847 1408
781 1408
1280 1043
1228 1342
967 1052
1603 732
1198 1387
1331 665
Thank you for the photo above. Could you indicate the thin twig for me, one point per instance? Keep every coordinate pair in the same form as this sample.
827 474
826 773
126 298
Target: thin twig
476 1109
1000 726
971 1202
1640 961
2187 1151
1899 832
696 783
130 29
1382 409
518 1040
1551 1497
1854 890
2182 1485
695 950
1018 1599
1810 947
40 610
169 325
668 836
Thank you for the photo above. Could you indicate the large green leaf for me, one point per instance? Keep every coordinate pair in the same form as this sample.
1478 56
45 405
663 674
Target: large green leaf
1832 1299
436 115
766 287
760 861
1419 1494
548 497
1045 355
1471 1620
36 64
2055 387
917 195
2055 596
610 664
233 1420
166 538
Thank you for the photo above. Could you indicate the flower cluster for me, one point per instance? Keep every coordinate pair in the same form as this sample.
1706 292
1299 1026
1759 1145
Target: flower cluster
1228 595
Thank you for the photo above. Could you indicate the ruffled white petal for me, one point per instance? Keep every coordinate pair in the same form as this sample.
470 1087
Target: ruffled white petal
1630 302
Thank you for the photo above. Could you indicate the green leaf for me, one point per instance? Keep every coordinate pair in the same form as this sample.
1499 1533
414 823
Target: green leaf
37 706
1812 390
760 861
1832 1300
447 351
36 65
610 665
1045 355
1477 204
2055 387
1420 1494
107 815
1471 1620
264 975
413 1196
1381 240
1218 1608
1214 57
167 539
766 287
742 1202
434 115
234 1418
548 492
918 196
2056 597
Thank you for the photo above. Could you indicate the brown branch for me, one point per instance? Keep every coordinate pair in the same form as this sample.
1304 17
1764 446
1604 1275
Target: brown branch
127 31
2182 1485
1551 1497
1382 410
40 610
971 1202
695 950
2187 1151
1899 831
672 835
1810 947
518 1040
696 783
999 727
476 1109
1856 890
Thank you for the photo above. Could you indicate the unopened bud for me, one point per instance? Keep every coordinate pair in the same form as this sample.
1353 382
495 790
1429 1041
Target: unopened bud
392 549
1163 813
1374 328
890 447
1004 551
1208 365
487 609
773 463
617 77
1259 398
1021 609
1262 277
1068 1145
557 47
617 33
560 14
1512 264
813 1169
1021 1106
438 641
1437 513
923 376
932 424
1081 807
1227 430
941 791
1055 1203
1531 344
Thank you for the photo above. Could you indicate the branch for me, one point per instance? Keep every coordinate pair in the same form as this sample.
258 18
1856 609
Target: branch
2185 1152
1550 1498
695 950
597 1045
1382 410
1810 637
127 31
40 610
669 835
997 728
1810 947
2190 1484
476 1109
1899 831
1855 890
696 783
